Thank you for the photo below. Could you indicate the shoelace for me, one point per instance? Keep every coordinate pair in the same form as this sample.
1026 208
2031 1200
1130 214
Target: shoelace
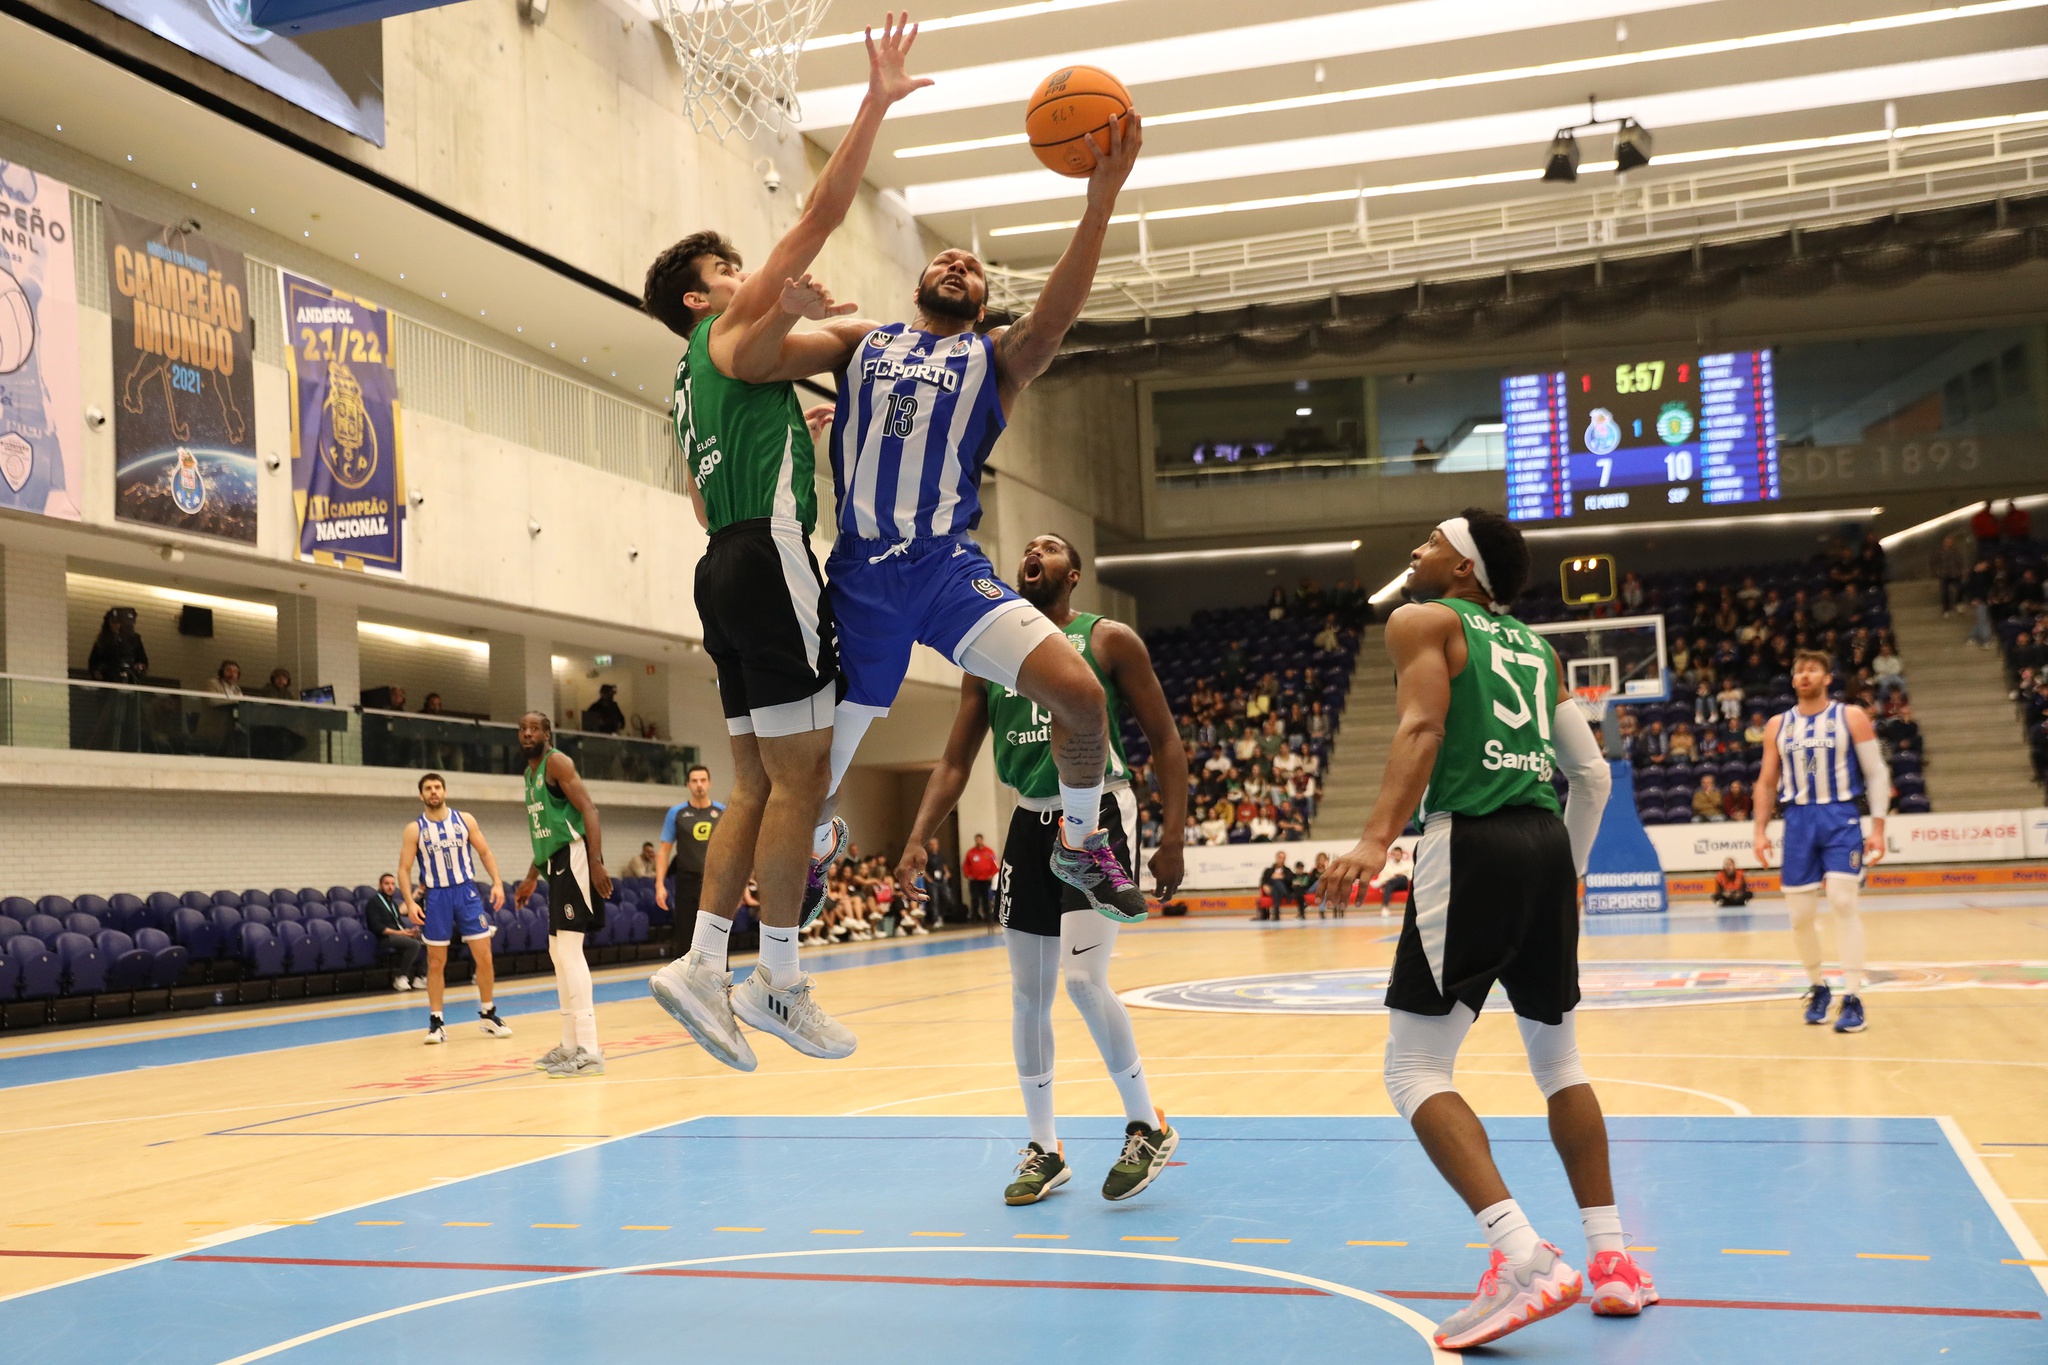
1031 1161
1106 863
1490 1281
1135 1145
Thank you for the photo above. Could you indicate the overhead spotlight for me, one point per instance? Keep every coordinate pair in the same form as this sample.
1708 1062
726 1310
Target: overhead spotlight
1562 163
1631 146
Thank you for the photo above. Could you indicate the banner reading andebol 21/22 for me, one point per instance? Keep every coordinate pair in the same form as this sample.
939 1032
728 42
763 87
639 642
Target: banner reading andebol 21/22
348 472
184 390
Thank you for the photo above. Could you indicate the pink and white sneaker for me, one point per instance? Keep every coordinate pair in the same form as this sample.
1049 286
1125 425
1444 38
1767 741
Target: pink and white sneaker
1621 1288
1511 1297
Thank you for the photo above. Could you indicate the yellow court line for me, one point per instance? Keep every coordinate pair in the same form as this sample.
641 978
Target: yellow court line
1642 1248
739 1229
1375 1244
1744 1251
1151 1239
938 1234
835 1232
645 1227
378 1223
2010 1261
465 1225
1887 1256
1042 1236
1264 1241
554 1225
1480 1245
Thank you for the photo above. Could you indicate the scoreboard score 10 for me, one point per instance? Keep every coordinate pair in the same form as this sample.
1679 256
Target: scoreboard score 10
1635 434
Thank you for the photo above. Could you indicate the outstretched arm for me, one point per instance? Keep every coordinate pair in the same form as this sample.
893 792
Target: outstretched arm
942 790
768 350
1766 792
1026 347
834 192
1130 664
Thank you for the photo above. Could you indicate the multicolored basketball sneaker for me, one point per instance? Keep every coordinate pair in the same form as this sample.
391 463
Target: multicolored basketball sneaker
1511 1297
1092 869
1621 1287
821 871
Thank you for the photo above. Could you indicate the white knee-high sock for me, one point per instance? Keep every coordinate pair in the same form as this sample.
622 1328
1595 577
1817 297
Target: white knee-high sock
1038 1111
1803 904
1086 941
572 987
849 727
1034 977
1842 896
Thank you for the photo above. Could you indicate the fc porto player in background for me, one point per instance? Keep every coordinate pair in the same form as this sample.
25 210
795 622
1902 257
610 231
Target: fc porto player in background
1819 757
442 840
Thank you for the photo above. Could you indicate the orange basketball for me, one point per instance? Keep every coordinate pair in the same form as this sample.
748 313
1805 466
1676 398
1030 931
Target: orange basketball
1068 105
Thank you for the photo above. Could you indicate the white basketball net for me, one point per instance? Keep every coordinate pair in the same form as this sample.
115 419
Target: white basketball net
739 60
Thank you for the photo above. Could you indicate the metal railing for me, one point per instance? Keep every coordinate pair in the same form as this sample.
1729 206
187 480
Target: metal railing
61 713
1652 211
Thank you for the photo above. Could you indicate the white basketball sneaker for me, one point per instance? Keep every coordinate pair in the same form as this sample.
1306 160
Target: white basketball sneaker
700 999
792 1015
1511 1297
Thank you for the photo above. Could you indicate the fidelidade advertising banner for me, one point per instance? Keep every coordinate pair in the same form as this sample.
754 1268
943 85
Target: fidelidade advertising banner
348 471
42 452
184 388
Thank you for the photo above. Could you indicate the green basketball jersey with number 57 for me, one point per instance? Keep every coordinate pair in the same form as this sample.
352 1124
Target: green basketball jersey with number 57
1496 750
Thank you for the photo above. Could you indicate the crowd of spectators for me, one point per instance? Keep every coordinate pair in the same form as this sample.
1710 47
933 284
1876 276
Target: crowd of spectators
1257 695
1731 638
861 901
2003 587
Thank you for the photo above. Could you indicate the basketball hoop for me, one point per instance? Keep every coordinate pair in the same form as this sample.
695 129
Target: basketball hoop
1592 700
739 60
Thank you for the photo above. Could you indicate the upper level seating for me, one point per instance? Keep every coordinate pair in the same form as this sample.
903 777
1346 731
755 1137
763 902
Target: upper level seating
1731 635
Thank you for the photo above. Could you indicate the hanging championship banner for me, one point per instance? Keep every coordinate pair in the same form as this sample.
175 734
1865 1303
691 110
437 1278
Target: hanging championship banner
348 472
42 451
184 390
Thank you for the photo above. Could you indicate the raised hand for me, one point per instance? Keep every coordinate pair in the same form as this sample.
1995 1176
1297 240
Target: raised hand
807 298
887 80
818 417
1115 154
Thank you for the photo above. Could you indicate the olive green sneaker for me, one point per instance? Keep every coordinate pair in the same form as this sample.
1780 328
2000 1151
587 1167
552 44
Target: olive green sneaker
1038 1175
1145 1154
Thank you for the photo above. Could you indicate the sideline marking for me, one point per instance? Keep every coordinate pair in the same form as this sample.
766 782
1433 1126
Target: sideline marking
2023 1239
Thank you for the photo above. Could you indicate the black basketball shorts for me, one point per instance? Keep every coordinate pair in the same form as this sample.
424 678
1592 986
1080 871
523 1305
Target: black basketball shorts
1028 897
768 629
1494 898
573 903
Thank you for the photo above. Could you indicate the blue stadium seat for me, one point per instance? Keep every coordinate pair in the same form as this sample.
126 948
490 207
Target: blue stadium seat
533 929
300 955
358 948
339 908
338 893
1678 814
129 968
639 926
37 966
255 897
56 907
78 922
310 893
1905 762
227 929
256 914
83 971
327 944
193 932
604 937
283 895
287 914
9 927
362 894
231 899
10 976
95 906
17 907
1913 805
169 958
162 905
46 928
506 940
261 950
313 910
196 900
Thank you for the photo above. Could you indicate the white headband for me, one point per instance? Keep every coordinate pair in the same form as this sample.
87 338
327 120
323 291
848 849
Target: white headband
1459 532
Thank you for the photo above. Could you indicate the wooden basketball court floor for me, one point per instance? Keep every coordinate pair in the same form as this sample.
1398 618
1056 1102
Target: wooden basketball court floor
309 1183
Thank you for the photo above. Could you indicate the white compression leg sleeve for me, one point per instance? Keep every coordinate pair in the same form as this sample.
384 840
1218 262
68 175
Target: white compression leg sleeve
1422 1054
1086 941
1803 903
1553 1053
1034 979
849 727
1585 769
1842 892
572 987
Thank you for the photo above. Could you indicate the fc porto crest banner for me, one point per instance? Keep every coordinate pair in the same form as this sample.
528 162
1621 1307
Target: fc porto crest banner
184 389
348 471
42 451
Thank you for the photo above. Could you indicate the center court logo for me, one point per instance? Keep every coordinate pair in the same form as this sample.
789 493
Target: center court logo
1604 985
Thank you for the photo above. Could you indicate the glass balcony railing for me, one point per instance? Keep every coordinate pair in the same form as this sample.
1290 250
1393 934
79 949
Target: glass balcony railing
49 713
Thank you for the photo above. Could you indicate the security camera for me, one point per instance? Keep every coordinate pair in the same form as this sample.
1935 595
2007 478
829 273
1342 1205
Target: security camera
632 552
95 417
272 461
417 497
771 179
533 528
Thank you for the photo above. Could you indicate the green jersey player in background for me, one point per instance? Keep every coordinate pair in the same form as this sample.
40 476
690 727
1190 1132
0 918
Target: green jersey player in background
1048 926
767 624
1484 721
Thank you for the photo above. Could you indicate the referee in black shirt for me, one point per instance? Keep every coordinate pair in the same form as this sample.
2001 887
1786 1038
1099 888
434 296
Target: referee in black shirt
679 858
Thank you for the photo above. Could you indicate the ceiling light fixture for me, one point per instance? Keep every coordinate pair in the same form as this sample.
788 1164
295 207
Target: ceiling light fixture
1324 547
1561 163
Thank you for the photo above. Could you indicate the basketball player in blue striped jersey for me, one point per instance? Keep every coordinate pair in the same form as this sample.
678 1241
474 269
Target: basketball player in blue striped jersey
1819 757
920 407
447 844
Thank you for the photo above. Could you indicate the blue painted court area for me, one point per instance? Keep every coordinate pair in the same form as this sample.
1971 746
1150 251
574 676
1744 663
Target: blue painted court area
185 1041
881 1241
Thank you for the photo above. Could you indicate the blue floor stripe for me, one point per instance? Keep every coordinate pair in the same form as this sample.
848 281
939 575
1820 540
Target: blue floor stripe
518 998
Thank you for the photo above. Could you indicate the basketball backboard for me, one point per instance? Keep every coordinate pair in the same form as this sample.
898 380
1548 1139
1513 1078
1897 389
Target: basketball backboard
1611 659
